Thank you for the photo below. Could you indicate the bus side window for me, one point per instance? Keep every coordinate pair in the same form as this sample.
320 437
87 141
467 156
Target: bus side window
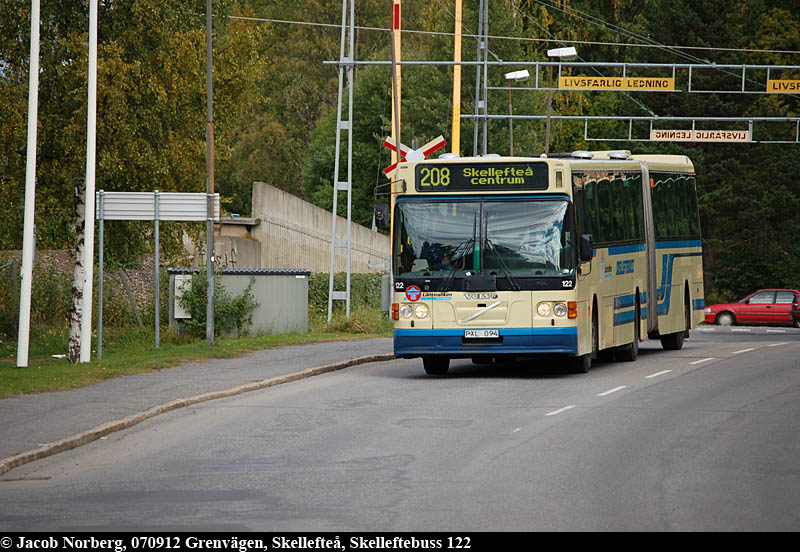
635 184
605 219
694 215
590 210
579 200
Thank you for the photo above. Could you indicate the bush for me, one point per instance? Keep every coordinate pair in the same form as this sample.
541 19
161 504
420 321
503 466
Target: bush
51 294
365 291
230 313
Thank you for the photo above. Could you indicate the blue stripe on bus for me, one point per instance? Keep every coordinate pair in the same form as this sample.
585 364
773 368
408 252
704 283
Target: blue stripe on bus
624 301
408 342
680 244
626 317
664 291
625 249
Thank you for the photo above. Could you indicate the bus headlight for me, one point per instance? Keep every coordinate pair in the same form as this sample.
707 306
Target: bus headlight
560 309
421 311
544 309
405 311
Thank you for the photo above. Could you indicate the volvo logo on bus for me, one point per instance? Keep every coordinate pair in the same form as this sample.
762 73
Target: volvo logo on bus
479 296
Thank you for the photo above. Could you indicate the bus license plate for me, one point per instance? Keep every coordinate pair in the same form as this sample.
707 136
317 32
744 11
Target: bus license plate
481 334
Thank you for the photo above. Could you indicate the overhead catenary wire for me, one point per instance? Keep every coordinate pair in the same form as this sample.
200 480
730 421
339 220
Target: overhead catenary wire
648 41
641 104
523 39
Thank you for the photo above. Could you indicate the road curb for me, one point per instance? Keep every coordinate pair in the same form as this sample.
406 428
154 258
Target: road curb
85 437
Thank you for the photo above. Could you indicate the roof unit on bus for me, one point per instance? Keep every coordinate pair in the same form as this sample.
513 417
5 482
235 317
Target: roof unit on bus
451 155
619 154
582 154
492 155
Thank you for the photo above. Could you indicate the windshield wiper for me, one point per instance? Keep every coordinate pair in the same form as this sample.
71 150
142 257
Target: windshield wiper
462 249
503 266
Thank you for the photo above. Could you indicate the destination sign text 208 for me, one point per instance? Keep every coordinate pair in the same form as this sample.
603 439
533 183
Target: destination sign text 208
481 176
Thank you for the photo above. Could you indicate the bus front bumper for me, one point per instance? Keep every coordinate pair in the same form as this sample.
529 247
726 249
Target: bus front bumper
512 341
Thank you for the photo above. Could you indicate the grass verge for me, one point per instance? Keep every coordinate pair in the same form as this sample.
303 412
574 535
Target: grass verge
132 352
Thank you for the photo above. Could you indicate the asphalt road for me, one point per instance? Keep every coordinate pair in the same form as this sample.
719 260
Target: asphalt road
706 438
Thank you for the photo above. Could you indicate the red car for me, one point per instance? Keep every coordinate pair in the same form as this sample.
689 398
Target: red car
765 306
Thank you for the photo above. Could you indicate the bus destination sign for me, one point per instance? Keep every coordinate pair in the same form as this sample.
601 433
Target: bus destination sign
446 177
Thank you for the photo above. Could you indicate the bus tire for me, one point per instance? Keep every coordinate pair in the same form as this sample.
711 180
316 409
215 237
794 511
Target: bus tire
435 365
674 341
583 363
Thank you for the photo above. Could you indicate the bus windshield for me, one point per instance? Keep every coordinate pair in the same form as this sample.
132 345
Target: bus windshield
506 238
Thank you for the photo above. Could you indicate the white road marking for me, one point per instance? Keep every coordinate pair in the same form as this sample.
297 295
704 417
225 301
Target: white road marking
702 360
516 430
604 393
776 331
661 373
744 351
560 410
740 330
776 344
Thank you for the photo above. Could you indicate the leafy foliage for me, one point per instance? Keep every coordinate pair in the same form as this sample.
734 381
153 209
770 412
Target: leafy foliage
274 107
230 313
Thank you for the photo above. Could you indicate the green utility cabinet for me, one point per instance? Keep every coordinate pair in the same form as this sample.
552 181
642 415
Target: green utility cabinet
282 295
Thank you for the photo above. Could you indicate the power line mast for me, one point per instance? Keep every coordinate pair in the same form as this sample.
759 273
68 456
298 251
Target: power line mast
481 91
346 68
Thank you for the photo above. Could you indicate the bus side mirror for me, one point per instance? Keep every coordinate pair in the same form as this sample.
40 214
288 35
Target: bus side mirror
586 248
382 215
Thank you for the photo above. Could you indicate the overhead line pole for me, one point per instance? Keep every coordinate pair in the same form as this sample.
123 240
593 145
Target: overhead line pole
28 237
89 199
455 138
209 184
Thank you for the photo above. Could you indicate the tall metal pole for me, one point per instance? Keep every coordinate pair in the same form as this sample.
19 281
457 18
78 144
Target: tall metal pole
396 76
455 145
158 272
549 109
510 124
209 185
88 221
485 39
100 239
481 52
28 237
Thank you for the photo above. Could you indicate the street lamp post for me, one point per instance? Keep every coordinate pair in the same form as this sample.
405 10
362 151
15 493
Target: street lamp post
515 76
561 54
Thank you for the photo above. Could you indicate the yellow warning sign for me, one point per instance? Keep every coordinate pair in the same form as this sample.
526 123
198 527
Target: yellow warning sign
616 83
700 135
783 86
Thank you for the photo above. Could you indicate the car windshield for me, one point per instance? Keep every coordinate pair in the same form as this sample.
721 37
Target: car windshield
512 238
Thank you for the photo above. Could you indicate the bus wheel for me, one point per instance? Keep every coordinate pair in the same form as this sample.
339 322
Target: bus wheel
582 364
674 341
435 365
628 353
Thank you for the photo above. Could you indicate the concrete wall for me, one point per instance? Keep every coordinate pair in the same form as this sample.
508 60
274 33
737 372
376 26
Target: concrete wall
296 234
235 252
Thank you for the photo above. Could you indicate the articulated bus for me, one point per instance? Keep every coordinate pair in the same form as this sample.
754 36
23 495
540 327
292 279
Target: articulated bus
571 255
